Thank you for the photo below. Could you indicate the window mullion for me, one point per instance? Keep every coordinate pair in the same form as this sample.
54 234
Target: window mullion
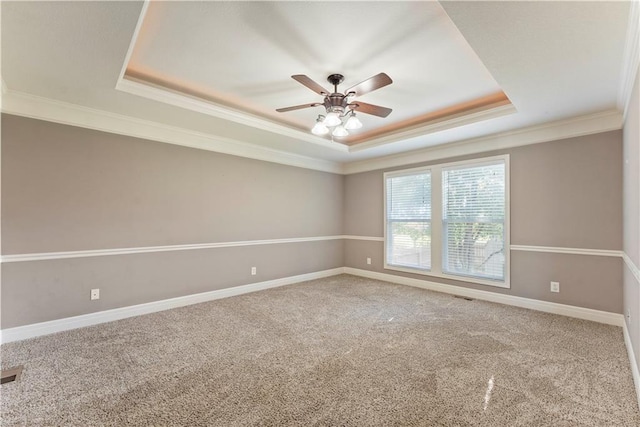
436 220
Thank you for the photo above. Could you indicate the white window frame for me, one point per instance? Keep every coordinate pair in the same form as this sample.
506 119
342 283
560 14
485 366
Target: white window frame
396 174
437 224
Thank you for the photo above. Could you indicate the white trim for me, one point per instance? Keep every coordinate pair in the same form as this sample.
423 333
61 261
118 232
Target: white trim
436 173
552 131
351 237
45 328
37 329
161 94
441 275
27 105
630 59
134 38
632 266
140 87
146 249
548 249
445 123
571 251
615 319
635 370
216 110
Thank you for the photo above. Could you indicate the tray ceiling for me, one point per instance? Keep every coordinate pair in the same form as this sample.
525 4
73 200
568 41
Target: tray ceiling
468 76
240 56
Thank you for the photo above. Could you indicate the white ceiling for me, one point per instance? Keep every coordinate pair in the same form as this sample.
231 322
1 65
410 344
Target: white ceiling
554 60
242 54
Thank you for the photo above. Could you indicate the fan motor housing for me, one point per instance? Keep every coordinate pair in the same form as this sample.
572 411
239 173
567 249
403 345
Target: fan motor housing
336 102
335 79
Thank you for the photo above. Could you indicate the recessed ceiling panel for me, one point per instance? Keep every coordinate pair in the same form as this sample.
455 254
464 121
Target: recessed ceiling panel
241 56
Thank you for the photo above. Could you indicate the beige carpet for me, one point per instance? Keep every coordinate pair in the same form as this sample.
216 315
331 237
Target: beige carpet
341 351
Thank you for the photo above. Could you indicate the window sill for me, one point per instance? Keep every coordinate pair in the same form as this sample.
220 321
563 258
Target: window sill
467 279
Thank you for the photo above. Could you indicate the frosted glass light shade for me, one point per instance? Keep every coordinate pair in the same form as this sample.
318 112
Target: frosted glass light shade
319 129
332 119
340 131
353 123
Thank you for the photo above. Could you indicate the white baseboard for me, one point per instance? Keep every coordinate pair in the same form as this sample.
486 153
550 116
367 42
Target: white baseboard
37 329
635 370
548 307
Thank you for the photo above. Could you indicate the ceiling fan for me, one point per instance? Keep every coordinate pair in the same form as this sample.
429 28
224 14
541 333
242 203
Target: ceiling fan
341 106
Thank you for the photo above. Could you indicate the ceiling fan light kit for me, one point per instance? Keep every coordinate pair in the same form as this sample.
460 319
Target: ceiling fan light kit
340 107
320 128
353 122
332 119
339 131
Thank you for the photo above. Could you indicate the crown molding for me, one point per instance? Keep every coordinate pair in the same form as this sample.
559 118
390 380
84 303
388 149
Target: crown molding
27 105
562 129
445 123
134 38
191 103
631 58
178 99
140 85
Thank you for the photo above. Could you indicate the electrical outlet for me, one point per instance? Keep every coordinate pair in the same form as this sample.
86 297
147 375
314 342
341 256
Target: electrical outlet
254 271
369 261
555 286
95 294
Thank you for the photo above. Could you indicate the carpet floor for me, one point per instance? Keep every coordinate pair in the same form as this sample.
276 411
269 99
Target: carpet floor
340 351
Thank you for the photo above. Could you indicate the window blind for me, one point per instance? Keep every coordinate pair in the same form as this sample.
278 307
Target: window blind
473 217
408 217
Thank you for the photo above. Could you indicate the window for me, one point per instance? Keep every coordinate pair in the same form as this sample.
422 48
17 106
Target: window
473 213
409 220
450 220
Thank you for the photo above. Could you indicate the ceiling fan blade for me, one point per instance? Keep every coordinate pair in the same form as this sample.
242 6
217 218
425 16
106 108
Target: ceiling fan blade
297 107
371 84
375 110
305 80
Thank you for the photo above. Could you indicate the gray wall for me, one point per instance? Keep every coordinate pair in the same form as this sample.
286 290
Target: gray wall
563 193
66 188
631 210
